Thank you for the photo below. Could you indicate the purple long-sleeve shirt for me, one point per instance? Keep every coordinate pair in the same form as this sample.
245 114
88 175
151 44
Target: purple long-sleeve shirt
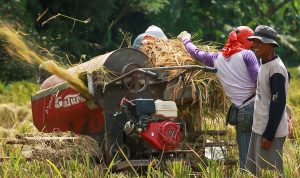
237 78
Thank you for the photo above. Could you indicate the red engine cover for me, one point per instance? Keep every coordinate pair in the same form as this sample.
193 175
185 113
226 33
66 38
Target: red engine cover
62 108
163 135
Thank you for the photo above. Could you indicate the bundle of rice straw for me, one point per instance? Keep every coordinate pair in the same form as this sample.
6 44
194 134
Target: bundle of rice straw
18 48
56 147
172 52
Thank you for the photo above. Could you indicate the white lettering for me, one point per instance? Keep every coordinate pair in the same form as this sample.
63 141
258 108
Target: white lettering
58 102
68 101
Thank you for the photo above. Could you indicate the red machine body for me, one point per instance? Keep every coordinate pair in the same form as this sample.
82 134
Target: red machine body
163 135
62 108
58 107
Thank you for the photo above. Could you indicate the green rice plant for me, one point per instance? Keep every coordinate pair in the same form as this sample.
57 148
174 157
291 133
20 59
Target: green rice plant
123 154
294 92
17 166
155 172
291 157
18 92
55 168
178 168
2 88
111 164
26 127
208 170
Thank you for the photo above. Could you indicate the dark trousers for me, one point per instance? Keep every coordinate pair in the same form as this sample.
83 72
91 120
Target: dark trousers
243 131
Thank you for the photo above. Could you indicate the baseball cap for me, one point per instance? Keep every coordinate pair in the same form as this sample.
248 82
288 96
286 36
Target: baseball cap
265 34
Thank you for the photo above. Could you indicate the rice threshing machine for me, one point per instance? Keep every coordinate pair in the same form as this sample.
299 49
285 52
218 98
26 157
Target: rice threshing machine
134 113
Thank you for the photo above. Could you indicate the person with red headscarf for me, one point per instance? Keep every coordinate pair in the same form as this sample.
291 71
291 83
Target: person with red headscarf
237 69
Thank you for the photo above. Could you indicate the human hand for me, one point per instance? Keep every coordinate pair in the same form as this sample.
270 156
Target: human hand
184 35
291 128
148 40
265 143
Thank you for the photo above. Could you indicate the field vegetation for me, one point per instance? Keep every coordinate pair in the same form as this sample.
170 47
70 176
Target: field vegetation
15 118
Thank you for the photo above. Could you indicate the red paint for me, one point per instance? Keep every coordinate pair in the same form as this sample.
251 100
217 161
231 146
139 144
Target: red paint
163 135
66 110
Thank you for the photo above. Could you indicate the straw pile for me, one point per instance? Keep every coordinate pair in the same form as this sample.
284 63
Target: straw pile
103 76
173 53
8 116
6 133
55 147
13 119
16 47
210 97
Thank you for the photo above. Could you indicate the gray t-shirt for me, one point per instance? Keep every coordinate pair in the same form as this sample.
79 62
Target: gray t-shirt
263 98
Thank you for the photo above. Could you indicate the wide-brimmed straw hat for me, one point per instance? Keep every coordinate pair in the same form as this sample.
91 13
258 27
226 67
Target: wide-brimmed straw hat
265 34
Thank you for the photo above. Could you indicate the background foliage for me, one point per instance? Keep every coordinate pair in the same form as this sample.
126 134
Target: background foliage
55 25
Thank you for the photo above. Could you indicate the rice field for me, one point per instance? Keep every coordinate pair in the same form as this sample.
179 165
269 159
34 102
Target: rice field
16 118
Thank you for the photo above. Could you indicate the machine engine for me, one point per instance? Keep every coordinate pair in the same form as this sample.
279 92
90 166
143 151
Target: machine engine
154 121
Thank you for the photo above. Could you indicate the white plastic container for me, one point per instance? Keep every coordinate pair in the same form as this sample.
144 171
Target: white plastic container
166 108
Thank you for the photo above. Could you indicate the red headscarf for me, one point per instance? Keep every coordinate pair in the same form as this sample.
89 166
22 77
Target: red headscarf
237 41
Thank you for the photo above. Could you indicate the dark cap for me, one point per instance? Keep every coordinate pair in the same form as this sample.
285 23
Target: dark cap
265 34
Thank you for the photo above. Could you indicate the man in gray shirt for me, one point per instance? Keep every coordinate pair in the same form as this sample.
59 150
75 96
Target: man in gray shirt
270 121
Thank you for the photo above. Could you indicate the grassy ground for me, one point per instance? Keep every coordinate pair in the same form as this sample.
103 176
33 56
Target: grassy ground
81 166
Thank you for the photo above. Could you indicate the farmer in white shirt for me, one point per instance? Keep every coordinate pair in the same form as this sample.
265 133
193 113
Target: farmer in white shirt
270 120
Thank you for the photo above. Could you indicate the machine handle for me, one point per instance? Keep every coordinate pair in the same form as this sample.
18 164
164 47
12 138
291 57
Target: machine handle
149 73
209 69
186 67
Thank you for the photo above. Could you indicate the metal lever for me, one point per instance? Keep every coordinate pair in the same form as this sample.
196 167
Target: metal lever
149 73
210 69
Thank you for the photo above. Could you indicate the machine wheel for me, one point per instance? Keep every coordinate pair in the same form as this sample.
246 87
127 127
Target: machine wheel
136 82
115 149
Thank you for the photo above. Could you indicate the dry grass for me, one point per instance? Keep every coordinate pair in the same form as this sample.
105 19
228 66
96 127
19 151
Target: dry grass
57 146
14 119
103 76
8 116
23 113
43 147
6 133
